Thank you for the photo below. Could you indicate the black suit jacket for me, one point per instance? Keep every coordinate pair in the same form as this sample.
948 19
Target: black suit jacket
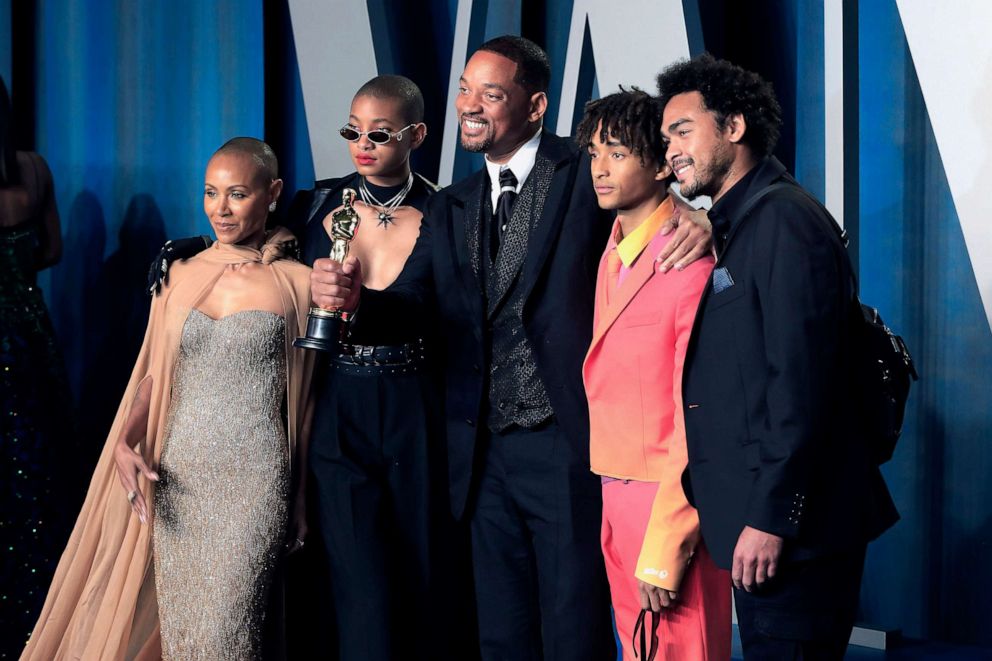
558 275
772 442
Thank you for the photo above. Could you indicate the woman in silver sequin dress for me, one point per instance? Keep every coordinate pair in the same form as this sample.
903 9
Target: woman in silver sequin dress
218 404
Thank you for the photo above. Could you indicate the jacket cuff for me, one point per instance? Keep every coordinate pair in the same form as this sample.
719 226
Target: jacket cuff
663 568
777 516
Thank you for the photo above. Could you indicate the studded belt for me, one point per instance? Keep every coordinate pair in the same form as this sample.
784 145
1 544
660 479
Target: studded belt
377 359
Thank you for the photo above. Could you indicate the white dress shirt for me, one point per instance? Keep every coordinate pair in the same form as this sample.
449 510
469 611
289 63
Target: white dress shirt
521 163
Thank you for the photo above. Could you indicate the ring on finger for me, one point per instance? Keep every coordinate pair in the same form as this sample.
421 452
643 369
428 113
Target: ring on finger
131 495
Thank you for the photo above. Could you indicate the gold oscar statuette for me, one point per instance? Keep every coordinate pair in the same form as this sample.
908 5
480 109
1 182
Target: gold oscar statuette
325 327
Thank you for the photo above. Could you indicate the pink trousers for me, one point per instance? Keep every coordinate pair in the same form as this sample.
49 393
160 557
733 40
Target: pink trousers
697 628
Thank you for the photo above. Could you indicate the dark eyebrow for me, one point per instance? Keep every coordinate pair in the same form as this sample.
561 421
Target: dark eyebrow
677 123
461 79
613 142
490 86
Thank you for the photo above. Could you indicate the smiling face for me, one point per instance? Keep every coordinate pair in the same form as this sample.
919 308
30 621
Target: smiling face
621 181
386 163
496 115
700 151
236 198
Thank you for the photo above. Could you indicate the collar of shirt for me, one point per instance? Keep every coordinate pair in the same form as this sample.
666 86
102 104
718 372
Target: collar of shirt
521 163
726 207
631 246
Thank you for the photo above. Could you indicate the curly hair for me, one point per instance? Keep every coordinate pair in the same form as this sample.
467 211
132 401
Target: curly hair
727 89
631 116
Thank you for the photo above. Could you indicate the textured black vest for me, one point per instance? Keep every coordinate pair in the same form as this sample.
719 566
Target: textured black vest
516 393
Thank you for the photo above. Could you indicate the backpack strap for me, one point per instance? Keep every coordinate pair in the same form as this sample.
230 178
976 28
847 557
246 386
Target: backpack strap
752 202
841 233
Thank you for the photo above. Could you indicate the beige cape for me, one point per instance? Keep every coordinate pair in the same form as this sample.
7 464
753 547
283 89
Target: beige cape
102 604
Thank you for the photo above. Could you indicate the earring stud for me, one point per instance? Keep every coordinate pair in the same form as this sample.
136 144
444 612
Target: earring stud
272 207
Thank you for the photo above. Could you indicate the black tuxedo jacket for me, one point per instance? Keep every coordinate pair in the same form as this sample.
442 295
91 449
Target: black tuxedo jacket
772 442
558 275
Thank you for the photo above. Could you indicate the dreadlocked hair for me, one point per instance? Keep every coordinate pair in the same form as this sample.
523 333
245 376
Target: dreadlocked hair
633 117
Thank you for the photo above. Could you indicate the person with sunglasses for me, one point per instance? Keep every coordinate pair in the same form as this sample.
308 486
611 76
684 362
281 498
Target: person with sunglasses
377 428
377 425
508 256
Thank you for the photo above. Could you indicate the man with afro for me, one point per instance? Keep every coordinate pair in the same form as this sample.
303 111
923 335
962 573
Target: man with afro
779 469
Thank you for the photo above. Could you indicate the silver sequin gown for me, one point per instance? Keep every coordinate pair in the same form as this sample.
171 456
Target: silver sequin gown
221 504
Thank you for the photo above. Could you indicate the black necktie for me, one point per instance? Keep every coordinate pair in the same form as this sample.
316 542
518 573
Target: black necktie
504 207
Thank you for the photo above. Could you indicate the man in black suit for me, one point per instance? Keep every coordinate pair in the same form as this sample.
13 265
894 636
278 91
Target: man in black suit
787 493
509 257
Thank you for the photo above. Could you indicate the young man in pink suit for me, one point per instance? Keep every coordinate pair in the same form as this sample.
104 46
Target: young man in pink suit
654 556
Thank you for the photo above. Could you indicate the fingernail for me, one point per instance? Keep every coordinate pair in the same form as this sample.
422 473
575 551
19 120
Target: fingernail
664 269
680 266
141 517
155 476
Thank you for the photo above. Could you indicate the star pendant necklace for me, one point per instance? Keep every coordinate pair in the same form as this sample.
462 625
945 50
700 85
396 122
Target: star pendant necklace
387 208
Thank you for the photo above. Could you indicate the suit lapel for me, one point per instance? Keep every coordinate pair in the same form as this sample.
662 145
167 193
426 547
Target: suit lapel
464 212
320 197
771 170
514 244
326 199
468 224
617 301
548 216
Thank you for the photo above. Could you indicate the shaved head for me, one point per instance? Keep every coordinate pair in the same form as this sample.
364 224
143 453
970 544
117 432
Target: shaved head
259 152
400 88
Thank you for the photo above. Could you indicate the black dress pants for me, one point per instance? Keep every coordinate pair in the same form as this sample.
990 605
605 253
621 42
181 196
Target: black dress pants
374 436
806 612
539 575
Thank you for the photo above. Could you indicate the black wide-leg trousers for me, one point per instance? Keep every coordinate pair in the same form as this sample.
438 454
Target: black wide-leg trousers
373 440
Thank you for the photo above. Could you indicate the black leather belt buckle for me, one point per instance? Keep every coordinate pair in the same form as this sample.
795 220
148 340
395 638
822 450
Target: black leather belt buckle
380 356
365 355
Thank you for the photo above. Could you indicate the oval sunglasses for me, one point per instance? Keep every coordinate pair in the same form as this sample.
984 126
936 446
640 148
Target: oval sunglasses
377 136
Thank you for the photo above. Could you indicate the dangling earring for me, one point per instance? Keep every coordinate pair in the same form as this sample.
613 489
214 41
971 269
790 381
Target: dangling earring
272 207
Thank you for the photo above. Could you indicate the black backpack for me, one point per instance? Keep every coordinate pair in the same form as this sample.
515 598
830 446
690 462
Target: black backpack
883 368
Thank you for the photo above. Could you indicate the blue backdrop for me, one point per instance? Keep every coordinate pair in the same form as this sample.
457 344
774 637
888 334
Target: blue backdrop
127 100
932 573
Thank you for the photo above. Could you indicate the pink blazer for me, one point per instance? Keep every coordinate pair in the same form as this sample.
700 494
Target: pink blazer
633 374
